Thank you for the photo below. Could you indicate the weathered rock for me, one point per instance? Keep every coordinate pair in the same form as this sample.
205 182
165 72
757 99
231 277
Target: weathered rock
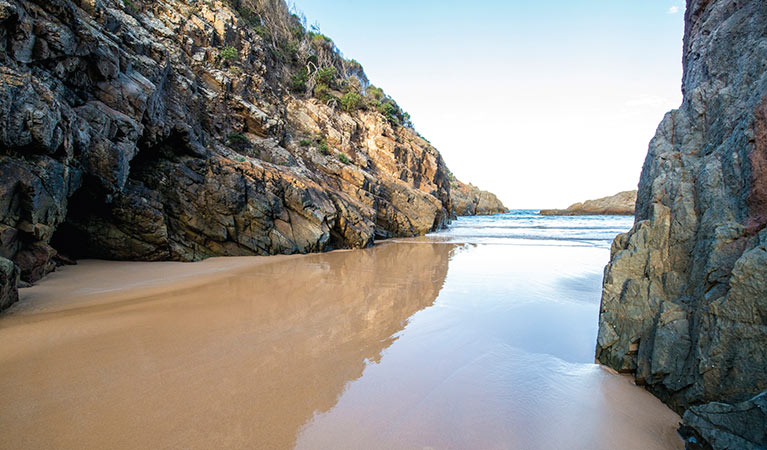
469 200
620 204
9 281
684 305
175 130
721 425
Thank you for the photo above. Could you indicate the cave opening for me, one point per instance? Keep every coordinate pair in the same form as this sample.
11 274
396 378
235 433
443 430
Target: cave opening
71 238
91 208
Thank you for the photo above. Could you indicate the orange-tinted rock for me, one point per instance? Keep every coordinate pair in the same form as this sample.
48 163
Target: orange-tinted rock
620 204
158 130
469 200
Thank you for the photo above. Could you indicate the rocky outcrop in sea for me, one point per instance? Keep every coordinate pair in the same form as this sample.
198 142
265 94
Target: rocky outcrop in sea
469 200
620 204
684 305
154 130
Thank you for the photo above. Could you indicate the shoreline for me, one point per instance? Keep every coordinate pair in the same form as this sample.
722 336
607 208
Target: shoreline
270 349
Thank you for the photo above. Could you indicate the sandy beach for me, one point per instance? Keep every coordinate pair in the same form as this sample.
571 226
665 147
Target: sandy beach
225 354
397 346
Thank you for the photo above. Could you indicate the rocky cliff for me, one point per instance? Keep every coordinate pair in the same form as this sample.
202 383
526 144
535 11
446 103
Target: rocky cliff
178 130
684 306
621 204
469 200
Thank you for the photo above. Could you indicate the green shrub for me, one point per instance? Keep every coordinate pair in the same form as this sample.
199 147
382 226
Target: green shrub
322 92
250 17
343 158
262 31
406 120
286 52
326 75
323 147
375 93
298 81
305 142
297 30
320 39
238 141
389 111
128 4
351 101
353 84
228 53
354 65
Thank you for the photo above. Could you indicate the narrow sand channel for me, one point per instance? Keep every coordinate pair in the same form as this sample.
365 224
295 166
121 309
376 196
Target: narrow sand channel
409 345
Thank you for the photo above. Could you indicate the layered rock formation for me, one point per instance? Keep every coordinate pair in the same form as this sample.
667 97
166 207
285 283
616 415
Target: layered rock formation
182 130
684 306
469 200
620 204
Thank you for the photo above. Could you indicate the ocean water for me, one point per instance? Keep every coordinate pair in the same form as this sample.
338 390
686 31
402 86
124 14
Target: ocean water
480 336
528 227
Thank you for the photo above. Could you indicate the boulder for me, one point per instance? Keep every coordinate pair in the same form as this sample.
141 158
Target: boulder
9 281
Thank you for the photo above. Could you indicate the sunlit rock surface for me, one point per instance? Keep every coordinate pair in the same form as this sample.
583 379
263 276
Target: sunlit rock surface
620 204
469 200
157 130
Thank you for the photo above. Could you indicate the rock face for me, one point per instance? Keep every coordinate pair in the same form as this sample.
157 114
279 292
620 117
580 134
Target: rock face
156 130
684 305
469 200
620 204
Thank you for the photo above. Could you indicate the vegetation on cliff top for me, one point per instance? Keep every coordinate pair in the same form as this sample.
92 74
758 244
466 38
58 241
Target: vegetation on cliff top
313 65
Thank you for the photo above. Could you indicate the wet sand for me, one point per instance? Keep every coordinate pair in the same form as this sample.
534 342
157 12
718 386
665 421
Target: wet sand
406 345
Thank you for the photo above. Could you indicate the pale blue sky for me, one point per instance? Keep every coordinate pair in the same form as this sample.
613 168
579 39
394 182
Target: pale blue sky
543 102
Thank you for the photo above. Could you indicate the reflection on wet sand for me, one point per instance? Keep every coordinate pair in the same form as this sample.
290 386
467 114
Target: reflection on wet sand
503 360
239 361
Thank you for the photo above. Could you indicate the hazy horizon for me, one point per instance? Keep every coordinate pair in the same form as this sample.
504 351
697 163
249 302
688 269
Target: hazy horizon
543 104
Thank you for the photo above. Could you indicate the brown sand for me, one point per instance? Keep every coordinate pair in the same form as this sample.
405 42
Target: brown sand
257 352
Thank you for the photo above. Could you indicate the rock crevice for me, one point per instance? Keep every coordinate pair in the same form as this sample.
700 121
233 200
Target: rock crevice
181 130
684 304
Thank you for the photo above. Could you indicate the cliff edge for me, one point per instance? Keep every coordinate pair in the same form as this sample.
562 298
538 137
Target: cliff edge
620 204
154 130
684 305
